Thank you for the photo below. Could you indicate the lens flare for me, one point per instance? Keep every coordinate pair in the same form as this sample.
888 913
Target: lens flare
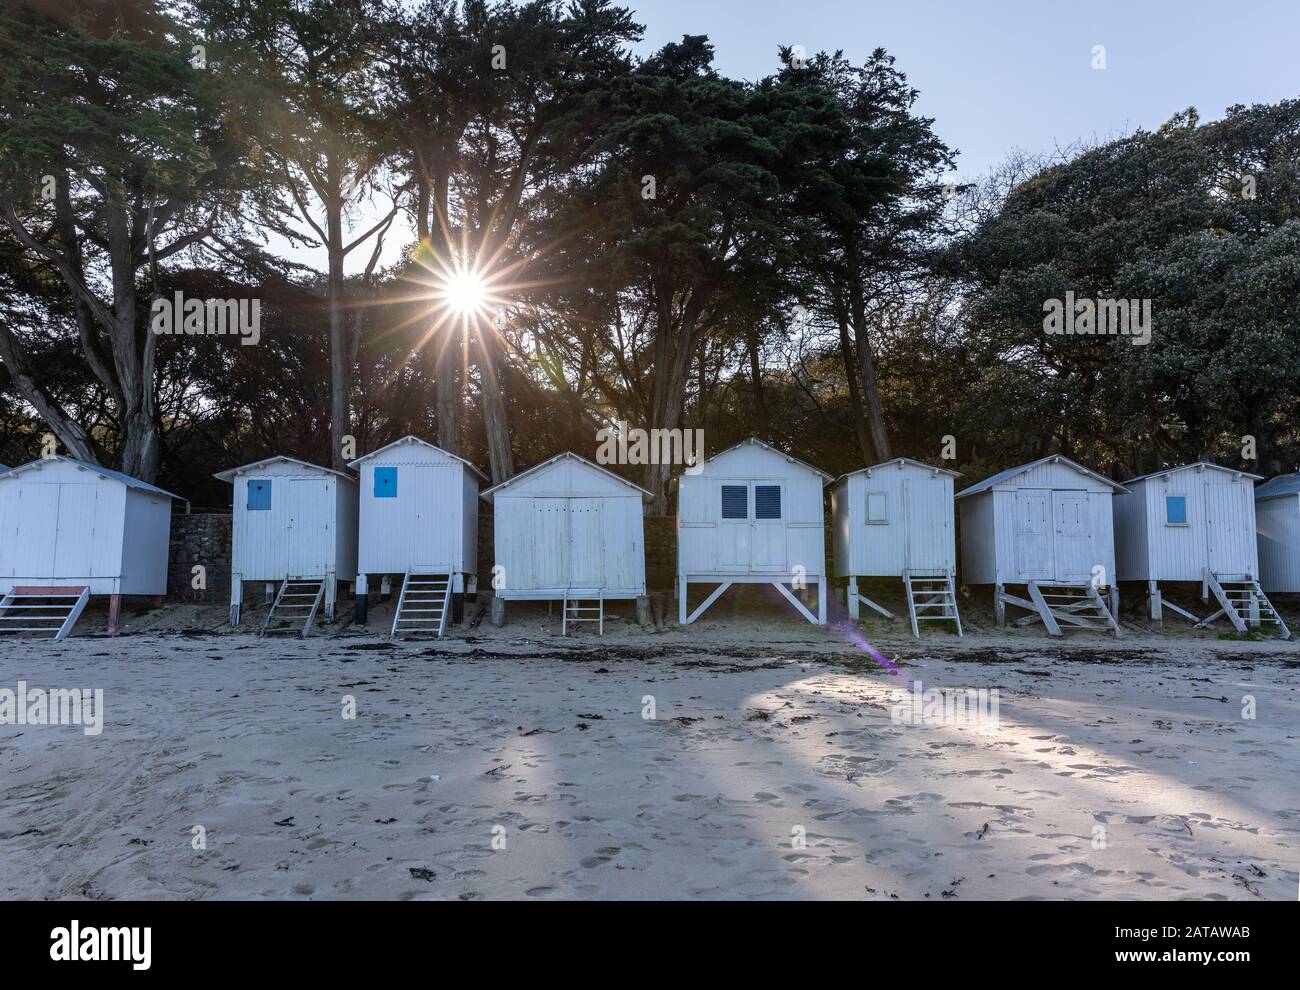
466 292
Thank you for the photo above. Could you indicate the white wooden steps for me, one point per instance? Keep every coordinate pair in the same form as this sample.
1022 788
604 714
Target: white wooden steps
424 604
931 597
583 606
42 610
1077 605
1241 601
295 606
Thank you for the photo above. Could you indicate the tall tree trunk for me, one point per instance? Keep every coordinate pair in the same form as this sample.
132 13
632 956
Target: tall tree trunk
867 372
132 356
340 413
753 342
69 433
448 368
494 406
448 343
855 392
672 366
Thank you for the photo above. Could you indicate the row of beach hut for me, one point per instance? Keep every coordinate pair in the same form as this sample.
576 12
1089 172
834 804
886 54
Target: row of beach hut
1052 538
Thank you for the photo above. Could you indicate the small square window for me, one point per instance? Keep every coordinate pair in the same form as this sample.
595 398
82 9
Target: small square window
1176 510
385 482
735 502
876 512
767 501
259 494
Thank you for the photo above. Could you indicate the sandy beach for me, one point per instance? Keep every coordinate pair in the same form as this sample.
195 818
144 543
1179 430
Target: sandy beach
513 763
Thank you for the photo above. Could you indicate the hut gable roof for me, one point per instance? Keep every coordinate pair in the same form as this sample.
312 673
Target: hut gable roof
103 472
900 462
1283 484
1198 465
1003 476
424 443
755 442
230 474
547 465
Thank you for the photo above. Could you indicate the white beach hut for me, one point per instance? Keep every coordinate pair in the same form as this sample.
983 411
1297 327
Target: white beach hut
751 515
294 524
896 519
1048 526
1194 523
567 530
1277 515
418 520
69 530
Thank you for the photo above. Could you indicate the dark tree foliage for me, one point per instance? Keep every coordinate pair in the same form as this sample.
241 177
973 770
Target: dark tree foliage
669 247
1204 221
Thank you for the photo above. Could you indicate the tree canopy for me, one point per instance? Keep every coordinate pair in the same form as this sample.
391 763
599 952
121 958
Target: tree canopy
651 243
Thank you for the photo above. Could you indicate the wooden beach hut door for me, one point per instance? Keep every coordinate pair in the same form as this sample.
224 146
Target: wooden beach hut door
307 510
769 527
586 560
31 526
926 540
735 532
550 519
1228 542
1073 549
74 555
1033 535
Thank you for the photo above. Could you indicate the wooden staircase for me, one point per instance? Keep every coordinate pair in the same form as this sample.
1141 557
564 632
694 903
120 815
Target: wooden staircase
1078 605
931 597
424 604
1241 601
583 606
296 602
42 610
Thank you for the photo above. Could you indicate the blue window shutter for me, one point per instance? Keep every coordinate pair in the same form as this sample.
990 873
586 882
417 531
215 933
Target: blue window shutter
767 501
259 493
1176 510
385 482
735 502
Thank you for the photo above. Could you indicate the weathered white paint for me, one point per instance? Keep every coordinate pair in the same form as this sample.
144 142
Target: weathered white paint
65 522
567 525
1219 533
1278 535
916 532
711 548
1050 520
431 525
789 550
310 530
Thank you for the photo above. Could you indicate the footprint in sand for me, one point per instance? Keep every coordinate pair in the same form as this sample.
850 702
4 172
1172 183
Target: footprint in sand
602 857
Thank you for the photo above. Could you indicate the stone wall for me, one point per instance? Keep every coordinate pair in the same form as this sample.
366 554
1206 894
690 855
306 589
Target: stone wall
201 538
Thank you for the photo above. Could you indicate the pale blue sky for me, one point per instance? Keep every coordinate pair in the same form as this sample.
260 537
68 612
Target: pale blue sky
1003 74
1000 74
